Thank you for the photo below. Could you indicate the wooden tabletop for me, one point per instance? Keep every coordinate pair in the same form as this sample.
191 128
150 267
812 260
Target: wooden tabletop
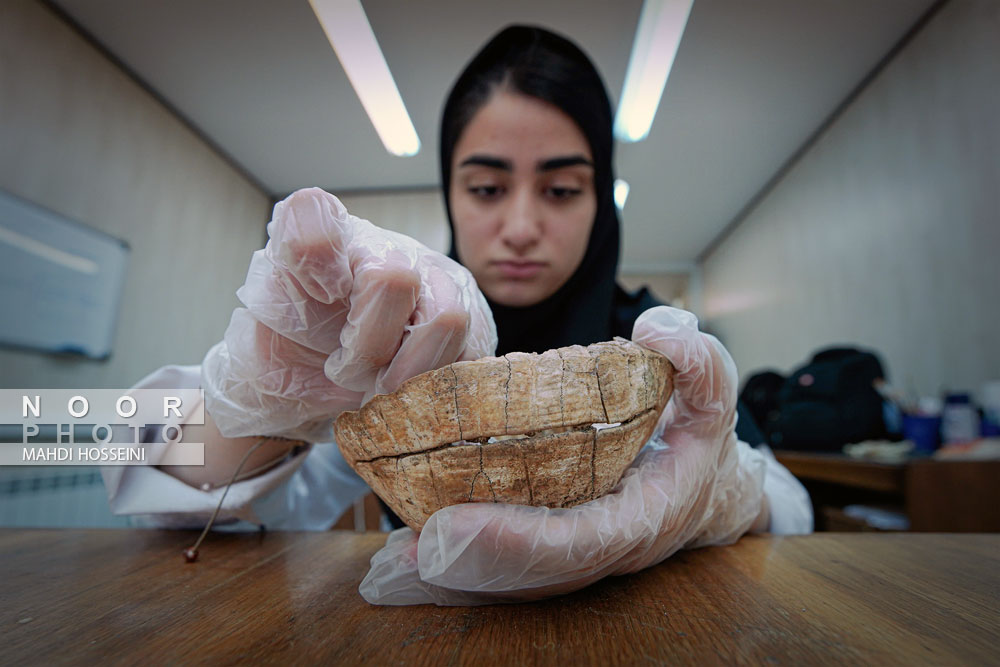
91 596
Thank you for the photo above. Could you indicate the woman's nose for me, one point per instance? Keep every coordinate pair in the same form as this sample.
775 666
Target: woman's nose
522 224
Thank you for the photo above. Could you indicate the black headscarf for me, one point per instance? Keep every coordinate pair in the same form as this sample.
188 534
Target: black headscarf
590 307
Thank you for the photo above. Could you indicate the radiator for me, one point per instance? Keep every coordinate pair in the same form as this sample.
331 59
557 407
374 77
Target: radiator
55 497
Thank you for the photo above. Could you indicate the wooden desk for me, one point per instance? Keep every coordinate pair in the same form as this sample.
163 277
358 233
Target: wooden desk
937 496
88 596
841 469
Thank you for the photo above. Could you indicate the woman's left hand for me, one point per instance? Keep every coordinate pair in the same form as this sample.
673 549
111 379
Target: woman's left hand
692 485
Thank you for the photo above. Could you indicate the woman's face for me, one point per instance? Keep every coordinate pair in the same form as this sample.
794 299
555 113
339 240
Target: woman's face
522 198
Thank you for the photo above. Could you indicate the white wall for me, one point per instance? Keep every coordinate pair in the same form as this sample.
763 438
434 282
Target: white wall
887 232
417 213
79 137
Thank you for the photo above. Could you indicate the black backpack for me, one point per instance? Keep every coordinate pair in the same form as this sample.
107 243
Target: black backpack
829 402
760 396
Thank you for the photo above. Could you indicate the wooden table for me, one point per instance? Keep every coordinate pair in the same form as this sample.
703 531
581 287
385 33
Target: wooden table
936 495
90 596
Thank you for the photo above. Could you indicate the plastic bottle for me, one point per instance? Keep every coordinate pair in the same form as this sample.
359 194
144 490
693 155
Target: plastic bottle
989 398
959 419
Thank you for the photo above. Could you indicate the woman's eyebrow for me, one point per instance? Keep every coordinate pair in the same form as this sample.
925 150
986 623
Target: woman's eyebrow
564 161
488 161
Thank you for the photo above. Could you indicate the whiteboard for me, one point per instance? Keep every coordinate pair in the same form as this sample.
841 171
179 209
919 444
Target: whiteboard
60 282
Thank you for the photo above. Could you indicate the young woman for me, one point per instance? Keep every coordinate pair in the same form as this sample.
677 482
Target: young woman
337 310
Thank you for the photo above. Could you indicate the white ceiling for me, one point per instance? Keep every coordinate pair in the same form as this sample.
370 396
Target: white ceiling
751 82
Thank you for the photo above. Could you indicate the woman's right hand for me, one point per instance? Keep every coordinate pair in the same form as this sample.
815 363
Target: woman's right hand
337 310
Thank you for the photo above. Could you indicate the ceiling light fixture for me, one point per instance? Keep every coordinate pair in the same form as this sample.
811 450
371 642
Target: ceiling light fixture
351 36
661 25
621 193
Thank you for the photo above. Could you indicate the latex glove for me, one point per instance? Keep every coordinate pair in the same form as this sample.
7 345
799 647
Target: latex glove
337 310
693 484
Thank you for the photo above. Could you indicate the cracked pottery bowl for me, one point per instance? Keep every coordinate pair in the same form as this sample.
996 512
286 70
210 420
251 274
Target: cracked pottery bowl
555 429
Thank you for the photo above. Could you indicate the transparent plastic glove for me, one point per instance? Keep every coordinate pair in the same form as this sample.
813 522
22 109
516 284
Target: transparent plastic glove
337 310
692 485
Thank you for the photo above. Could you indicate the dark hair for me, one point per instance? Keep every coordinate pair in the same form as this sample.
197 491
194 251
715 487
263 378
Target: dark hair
541 64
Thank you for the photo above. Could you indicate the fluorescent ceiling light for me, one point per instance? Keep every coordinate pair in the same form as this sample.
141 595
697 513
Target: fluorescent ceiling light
661 25
621 193
351 36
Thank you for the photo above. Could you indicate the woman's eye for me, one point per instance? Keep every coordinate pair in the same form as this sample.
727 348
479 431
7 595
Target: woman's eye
561 193
485 191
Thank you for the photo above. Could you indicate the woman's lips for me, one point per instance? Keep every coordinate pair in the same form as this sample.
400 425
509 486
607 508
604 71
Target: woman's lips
519 270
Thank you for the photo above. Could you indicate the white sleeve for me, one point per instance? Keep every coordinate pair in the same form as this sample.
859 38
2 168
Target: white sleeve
307 492
790 506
